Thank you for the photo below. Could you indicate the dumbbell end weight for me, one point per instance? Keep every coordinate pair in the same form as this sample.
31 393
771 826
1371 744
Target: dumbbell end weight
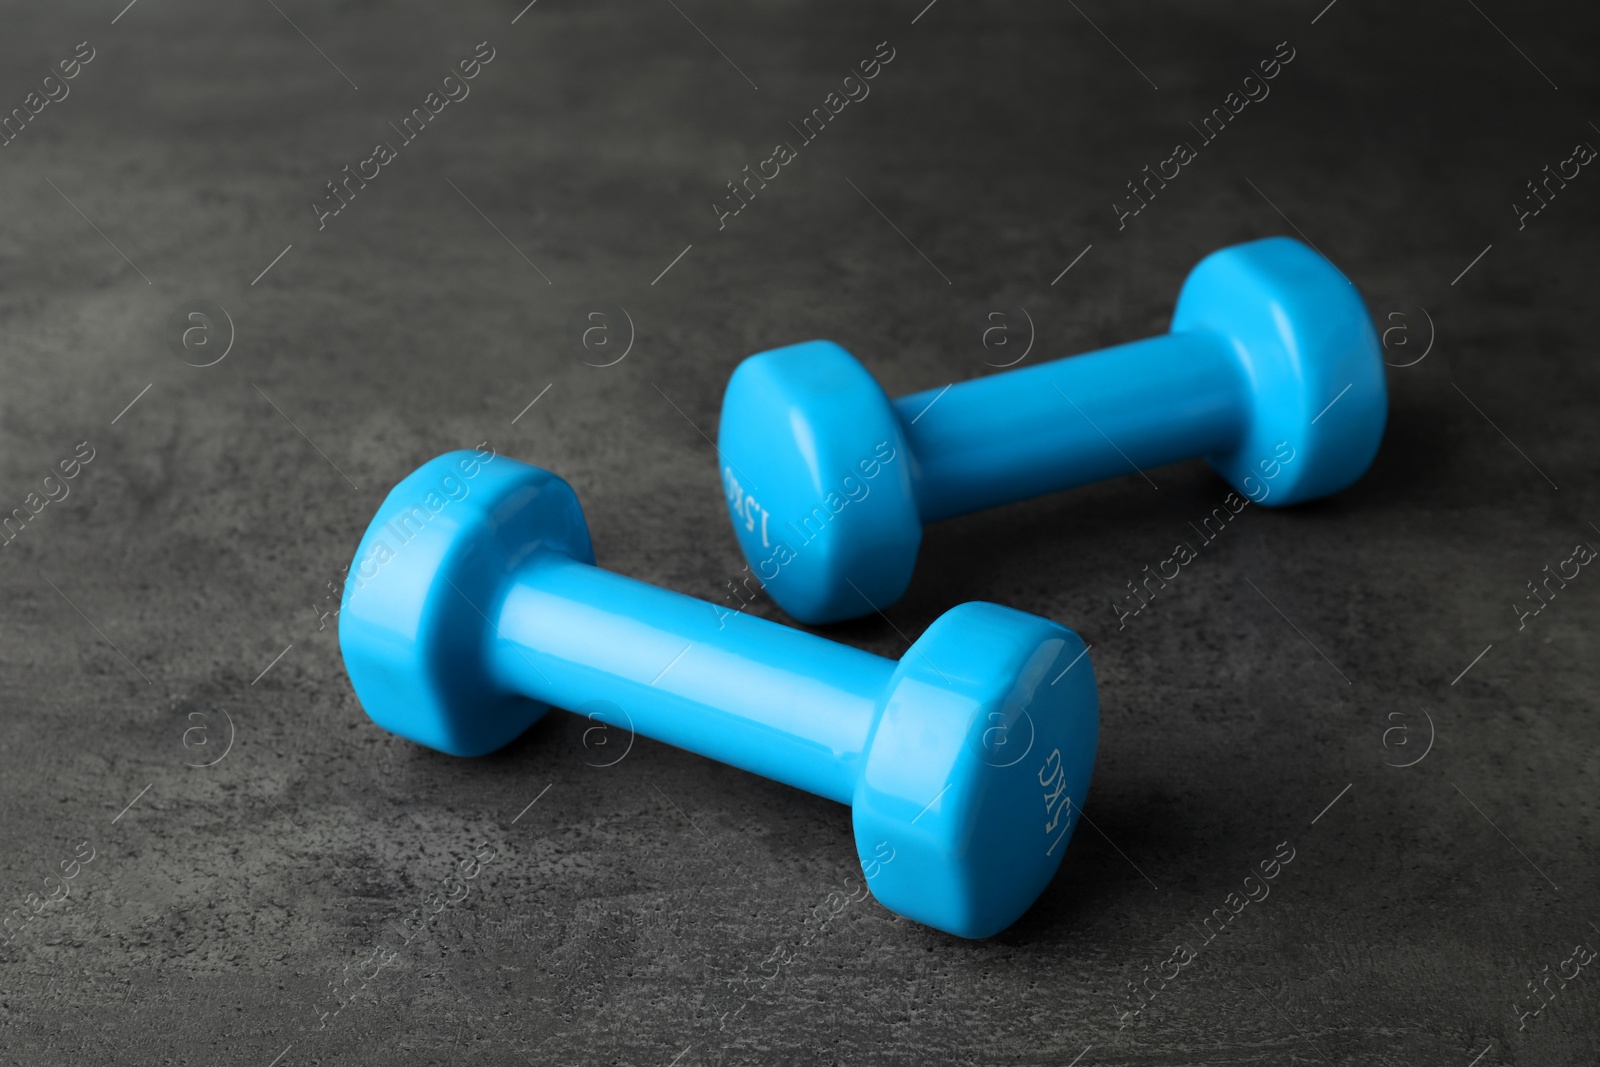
819 481
977 768
1312 363
965 763
823 477
413 615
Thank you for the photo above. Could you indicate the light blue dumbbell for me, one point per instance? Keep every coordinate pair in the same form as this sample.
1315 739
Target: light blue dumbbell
829 482
473 605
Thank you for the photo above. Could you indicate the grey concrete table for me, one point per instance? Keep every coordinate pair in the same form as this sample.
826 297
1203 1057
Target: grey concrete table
1347 692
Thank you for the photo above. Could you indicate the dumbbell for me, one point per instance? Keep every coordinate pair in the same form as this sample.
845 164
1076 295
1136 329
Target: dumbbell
473 605
828 481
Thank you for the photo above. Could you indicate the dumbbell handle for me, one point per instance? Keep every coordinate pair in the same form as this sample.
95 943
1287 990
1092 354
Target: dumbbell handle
1016 435
773 700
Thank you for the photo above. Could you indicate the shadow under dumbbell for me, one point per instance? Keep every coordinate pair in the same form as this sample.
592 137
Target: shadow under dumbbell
1427 437
1044 554
1097 886
606 768
539 746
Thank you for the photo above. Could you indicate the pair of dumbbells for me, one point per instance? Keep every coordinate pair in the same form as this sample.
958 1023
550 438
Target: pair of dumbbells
474 604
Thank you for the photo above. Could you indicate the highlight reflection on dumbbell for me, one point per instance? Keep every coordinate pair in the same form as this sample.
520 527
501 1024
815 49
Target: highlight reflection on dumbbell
469 616
1270 347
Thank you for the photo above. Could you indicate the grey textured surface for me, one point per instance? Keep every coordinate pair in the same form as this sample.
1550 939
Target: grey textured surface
229 909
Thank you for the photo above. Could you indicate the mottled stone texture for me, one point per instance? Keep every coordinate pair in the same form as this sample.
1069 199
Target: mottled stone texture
622 916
